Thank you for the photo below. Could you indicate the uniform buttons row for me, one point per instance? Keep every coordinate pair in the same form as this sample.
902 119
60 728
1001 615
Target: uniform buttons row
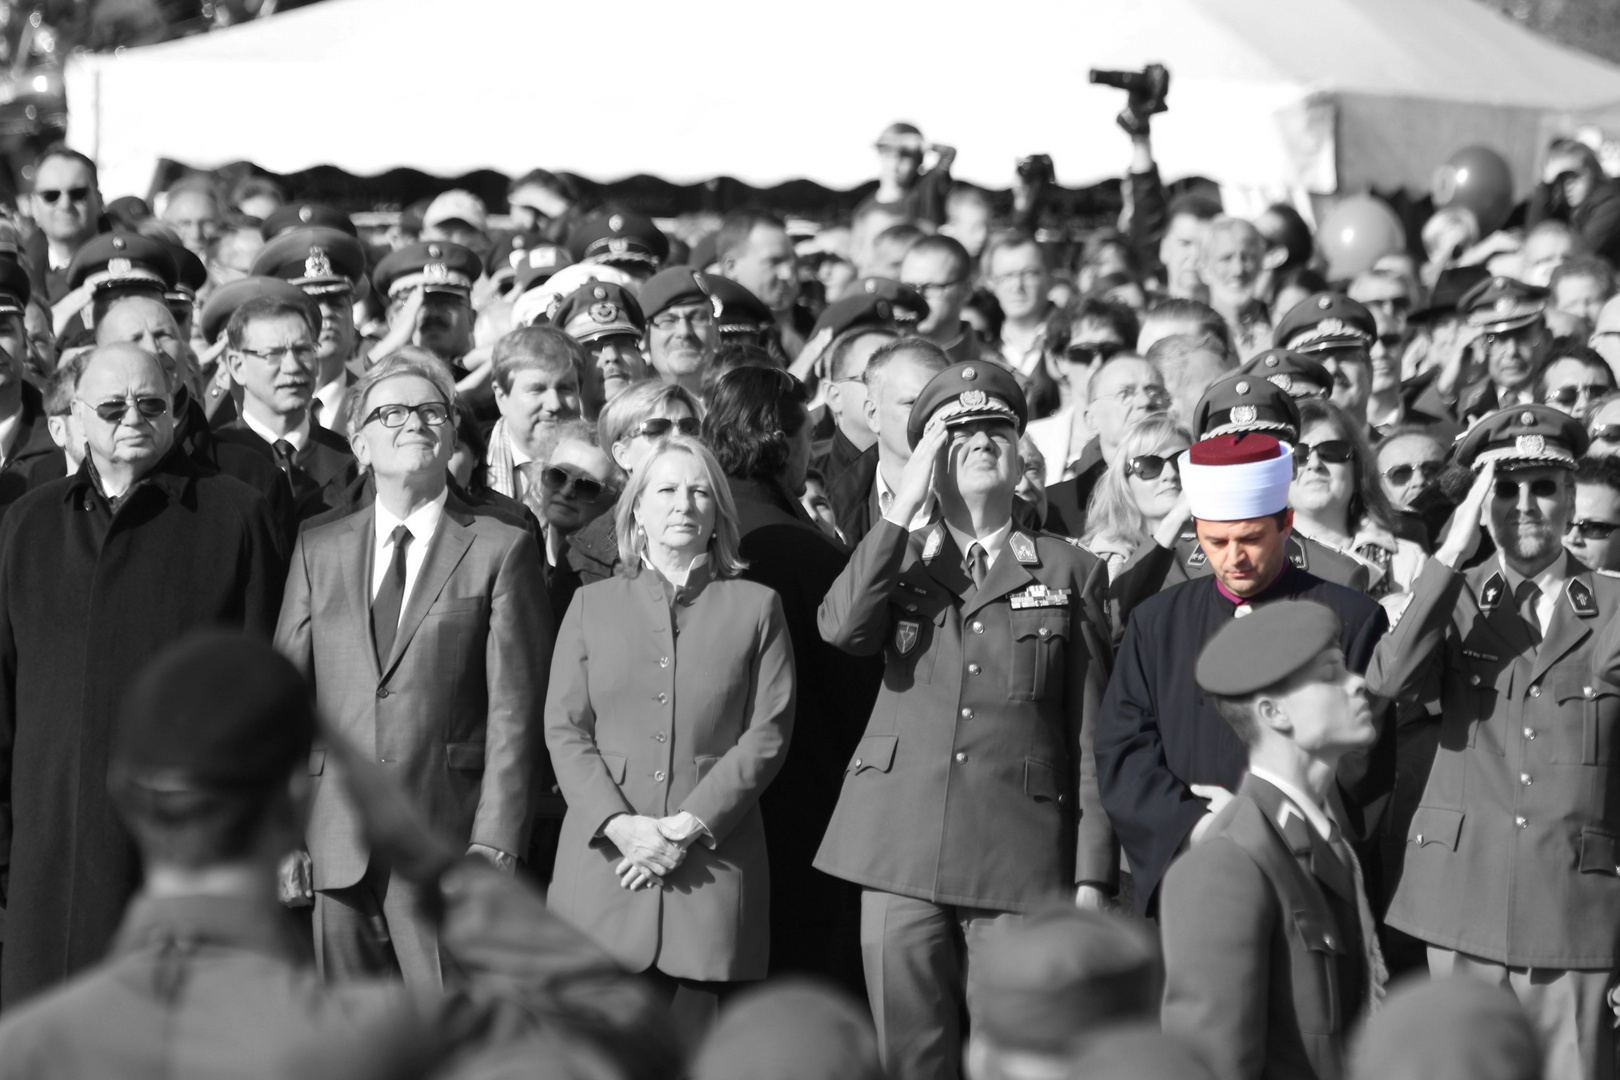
659 775
663 661
659 737
976 626
974 669
660 697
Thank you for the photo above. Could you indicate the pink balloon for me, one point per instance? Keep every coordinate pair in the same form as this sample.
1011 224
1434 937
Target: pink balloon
1478 179
1356 233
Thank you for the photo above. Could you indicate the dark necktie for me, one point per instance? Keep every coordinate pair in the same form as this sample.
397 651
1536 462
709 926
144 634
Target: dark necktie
284 452
385 608
1524 598
976 565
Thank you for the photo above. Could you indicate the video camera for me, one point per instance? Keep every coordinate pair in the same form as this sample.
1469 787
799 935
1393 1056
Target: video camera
1147 89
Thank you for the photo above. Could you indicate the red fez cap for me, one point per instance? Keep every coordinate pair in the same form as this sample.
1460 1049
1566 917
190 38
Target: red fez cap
1240 449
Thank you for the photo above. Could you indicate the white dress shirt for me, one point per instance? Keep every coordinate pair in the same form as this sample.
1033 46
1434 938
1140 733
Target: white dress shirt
329 403
423 523
298 438
919 520
992 544
1550 581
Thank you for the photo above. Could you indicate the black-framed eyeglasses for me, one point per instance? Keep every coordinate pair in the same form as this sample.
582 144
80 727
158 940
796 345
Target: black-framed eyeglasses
655 427
1150 466
568 484
1331 451
1606 432
304 354
1567 396
1544 488
113 410
1594 530
433 414
55 195
1401 475
698 318
1092 352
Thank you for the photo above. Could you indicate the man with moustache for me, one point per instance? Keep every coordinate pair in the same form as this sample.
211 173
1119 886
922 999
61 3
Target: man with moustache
682 331
1511 872
607 320
1509 320
428 287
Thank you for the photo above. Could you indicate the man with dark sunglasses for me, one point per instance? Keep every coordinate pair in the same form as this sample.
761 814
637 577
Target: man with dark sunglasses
1119 392
1510 871
101 570
66 205
1590 537
1575 379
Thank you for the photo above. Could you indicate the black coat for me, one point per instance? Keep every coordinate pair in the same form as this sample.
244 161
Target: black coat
593 551
815 918
1156 734
851 493
32 447
87 596
321 470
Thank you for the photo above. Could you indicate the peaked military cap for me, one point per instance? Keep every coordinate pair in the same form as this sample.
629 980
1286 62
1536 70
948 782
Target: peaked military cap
1326 320
975 390
877 302
598 309
1244 402
1523 435
618 236
1296 374
318 259
1503 303
303 215
741 312
123 260
435 265
535 265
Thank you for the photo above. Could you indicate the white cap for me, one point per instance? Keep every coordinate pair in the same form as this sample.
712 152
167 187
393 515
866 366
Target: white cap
456 205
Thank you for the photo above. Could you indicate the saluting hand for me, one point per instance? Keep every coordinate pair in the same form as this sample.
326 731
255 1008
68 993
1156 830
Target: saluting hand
1462 537
917 480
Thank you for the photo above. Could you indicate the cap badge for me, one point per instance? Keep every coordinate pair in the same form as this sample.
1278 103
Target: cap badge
604 313
435 271
1331 326
119 267
884 311
1272 361
973 399
1503 305
969 374
318 264
618 246
1241 388
1325 302
434 252
305 213
1283 382
1530 444
599 292
871 285
616 222
118 243
1244 414
1527 417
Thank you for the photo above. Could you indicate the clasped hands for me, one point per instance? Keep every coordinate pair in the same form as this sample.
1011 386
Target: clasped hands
652 847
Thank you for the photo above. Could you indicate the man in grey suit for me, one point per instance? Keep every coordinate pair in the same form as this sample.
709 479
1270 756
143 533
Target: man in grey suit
426 635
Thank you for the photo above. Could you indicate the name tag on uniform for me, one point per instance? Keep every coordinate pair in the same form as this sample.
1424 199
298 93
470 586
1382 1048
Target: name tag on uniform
1039 596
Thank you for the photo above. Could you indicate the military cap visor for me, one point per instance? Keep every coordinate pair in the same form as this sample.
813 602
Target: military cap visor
1266 648
963 393
1326 321
317 259
1524 436
1502 303
123 260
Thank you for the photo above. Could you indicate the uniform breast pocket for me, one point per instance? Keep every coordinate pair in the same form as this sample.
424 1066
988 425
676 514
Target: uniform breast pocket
1316 971
1478 699
1039 637
1585 728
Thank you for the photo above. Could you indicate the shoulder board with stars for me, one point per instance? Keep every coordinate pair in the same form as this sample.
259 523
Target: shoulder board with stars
1023 548
1581 600
1490 594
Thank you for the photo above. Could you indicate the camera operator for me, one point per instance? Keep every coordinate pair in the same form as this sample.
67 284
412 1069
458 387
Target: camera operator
904 186
1573 189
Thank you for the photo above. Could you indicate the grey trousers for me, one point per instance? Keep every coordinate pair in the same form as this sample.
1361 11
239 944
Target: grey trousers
373 928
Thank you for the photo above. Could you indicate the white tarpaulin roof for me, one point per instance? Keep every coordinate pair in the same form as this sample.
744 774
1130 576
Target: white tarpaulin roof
1265 94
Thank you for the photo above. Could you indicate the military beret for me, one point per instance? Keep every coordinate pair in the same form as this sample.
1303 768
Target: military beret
598 309
1456 1028
676 285
215 711
875 302
535 266
318 259
302 216
123 260
1449 289
1061 974
1245 403
790 1028
435 265
1523 435
1501 303
1265 647
224 301
1326 321
975 390
1295 373
741 312
618 236
14 286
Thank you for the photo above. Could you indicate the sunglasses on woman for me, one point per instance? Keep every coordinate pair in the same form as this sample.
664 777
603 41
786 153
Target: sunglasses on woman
1401 475
1149 466
1606 432
1332 452
569 484
657 426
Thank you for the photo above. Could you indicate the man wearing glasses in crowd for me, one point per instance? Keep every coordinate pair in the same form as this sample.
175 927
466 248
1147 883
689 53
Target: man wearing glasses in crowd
1508 317
1590 537
66 205
1574 380
681 333
1604 427
443 593
1121 391
940 269
1015 269
101 570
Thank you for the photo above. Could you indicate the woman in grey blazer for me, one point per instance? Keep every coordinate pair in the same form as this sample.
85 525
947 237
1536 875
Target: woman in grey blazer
670 709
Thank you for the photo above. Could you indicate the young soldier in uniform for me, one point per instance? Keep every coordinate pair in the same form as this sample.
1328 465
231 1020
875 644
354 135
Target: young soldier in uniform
1269 945
971 797
1512 867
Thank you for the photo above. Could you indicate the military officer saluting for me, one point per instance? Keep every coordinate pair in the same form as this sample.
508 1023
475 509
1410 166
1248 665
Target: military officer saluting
429 291
971 797
1512 866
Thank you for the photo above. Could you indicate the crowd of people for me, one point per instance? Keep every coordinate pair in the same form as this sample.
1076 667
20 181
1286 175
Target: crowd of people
559 646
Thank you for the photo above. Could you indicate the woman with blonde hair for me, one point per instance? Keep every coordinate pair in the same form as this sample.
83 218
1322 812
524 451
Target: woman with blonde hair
671 704
1138 491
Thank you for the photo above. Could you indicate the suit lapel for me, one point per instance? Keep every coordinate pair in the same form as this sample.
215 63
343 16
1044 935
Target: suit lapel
357 558
449 544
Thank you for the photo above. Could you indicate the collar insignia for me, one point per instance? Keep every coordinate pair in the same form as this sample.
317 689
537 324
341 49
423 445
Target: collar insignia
1581 600
1023 548
1197 558
935 541
1491 595
1296 553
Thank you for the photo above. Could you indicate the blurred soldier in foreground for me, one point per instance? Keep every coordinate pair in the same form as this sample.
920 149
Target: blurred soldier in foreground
209 771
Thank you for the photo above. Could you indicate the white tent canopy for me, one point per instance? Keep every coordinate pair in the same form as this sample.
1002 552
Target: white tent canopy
1268 95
